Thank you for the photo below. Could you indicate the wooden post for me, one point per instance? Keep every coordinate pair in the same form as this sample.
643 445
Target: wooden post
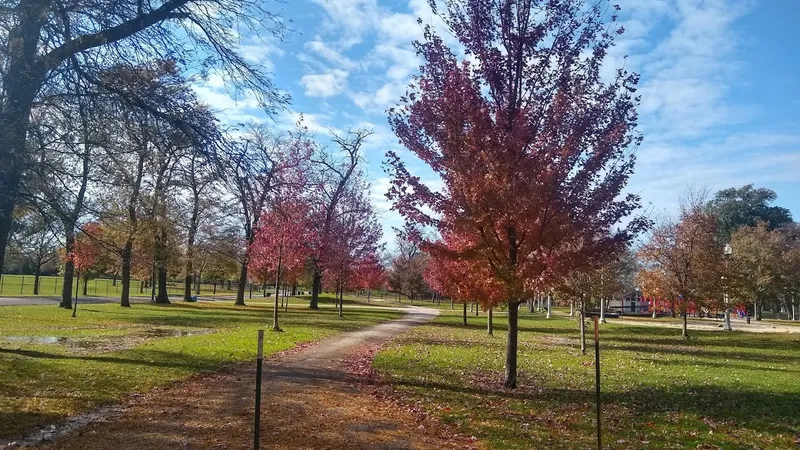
259 365
597 378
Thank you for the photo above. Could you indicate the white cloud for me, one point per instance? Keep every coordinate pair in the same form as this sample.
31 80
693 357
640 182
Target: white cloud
349 19
331 55
324 84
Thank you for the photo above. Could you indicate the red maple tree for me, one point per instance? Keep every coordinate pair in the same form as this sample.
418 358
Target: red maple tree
280 246
533 148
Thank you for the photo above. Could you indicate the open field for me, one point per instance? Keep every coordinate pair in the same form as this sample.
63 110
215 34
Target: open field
717 390
22 285
52 366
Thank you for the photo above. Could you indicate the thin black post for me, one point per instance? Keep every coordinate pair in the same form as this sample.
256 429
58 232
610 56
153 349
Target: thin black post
259 364
597 379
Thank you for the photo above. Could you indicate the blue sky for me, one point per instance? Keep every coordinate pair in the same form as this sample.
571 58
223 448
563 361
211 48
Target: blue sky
720 104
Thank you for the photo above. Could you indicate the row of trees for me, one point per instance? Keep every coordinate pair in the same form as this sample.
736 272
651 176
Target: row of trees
735 250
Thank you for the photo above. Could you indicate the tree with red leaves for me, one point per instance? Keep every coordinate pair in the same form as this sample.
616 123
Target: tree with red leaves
370 273
280 245
85 253
533 148
357 235
465 280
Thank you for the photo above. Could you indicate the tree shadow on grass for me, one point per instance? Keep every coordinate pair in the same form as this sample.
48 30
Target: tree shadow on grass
151 358
763 412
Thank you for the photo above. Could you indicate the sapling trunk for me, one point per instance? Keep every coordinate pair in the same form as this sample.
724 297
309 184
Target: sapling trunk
489 325
511 349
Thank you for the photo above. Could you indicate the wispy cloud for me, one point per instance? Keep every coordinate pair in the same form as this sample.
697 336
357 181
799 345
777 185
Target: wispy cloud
324 84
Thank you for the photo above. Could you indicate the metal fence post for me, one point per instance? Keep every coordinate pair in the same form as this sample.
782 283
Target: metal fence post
259 365
597 379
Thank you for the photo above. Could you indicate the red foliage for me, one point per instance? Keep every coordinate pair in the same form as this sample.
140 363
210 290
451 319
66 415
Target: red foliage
282 238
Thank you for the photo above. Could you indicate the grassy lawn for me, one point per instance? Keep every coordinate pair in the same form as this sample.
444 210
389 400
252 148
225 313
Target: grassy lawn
729 390
52 366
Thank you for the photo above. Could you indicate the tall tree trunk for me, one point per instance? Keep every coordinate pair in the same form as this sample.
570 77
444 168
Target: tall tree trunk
685 327
197 282
125 298
114 279
294 289
602 310
341 299
511 349
163 296
243 279
465 313
188 281
549 306
316 285
489 325
36 275
477 309
572 308
85 285
582 326
757 308
69 271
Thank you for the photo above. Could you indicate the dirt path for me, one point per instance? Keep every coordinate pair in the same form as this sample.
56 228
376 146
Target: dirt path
309 402
714 325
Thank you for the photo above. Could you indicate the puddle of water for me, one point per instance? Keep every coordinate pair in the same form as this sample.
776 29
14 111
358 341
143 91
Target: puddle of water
170 332
81 344
74 344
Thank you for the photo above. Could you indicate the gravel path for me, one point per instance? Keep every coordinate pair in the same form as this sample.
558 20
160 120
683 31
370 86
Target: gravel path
308 402
714 325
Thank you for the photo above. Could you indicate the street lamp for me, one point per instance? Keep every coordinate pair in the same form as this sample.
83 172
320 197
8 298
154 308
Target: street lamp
727 320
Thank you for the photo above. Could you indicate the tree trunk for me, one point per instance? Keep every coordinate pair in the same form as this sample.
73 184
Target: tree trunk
341 300
126 275
572 308
36 276
549 305
243 280
477 309
489 325
316 285
582 318
758 306
197 282
452 303
69 272
294 289
602 310
163 296
511 350
685 327
465 313
188 281
85 285
114 279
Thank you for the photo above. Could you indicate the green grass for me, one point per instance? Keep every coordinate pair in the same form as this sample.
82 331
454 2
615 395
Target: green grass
732 390
42 383
22 286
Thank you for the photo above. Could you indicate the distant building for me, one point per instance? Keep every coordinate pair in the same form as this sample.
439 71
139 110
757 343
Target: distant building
631 303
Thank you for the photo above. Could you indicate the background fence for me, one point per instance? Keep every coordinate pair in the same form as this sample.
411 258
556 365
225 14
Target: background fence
23 285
